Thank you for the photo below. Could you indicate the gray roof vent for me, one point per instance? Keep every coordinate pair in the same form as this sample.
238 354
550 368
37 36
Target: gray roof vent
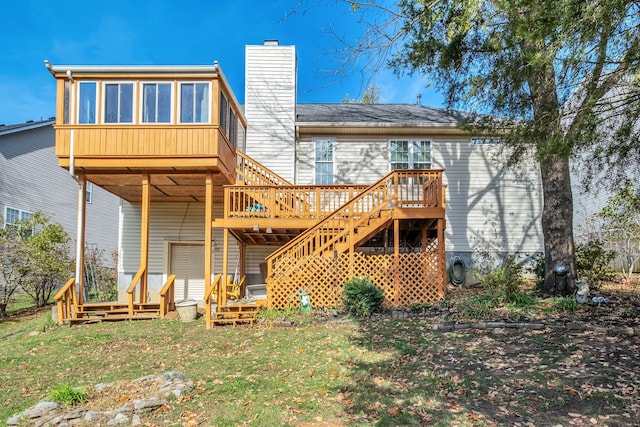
271 42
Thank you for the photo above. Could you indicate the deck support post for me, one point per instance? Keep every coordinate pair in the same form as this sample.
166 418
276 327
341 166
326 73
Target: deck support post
144 237
351 244
424 239
208 241
243 260
222 291
442 254
396 257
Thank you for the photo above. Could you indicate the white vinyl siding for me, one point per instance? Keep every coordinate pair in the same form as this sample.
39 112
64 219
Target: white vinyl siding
169 223
486 202
356 160
270 99
30 179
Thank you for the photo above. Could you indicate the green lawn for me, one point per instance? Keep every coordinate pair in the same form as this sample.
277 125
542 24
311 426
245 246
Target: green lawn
380 372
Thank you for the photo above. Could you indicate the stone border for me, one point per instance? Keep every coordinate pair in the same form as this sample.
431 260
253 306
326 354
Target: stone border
173 385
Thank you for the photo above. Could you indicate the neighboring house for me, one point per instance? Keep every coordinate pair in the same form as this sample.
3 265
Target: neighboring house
31 180
323 193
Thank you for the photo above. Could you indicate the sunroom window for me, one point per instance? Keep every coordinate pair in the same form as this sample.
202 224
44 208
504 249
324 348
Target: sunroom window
156 103
118 103
87 107
194 103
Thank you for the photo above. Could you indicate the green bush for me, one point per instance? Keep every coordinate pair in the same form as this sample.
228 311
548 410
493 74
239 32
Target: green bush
68 395
593 262
505 280
362 297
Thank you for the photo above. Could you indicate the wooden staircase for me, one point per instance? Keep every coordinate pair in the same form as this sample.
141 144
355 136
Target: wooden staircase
400 195
363 216
108 311
71 310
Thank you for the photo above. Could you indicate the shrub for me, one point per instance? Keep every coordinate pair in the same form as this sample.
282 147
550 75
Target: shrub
504 280
593 262
538 271
68 395
362 297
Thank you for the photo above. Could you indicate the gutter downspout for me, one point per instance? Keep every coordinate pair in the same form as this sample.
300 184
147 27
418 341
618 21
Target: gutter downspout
81 196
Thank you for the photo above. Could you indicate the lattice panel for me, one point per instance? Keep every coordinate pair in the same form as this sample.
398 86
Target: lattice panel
413 277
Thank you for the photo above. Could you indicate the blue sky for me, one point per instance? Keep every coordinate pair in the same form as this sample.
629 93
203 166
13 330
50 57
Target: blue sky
168 32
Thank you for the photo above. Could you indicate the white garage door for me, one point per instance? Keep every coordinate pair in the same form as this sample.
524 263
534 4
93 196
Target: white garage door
187 263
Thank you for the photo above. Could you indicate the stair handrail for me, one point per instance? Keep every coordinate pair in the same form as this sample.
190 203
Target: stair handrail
63 298
132 287
167 302
207 299
265 175
389 186
303 236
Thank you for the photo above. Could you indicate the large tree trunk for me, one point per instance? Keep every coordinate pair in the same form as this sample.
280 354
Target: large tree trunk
557 225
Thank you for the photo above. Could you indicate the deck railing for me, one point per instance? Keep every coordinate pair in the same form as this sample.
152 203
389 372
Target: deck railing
252 172
132 288
295 201
351 223
67 301
167 301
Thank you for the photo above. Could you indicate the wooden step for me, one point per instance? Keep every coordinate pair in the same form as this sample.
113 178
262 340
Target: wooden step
114 317
234 314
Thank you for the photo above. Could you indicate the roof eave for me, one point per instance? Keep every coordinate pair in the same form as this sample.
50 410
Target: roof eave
27 126
379 128
132 69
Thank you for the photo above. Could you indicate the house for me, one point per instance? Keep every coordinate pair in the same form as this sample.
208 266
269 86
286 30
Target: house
279 197
31 180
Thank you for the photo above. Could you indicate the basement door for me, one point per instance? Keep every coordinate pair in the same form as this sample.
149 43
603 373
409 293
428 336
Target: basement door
187 263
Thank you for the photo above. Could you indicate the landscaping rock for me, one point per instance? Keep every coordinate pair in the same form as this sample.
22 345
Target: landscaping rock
118 420
168 385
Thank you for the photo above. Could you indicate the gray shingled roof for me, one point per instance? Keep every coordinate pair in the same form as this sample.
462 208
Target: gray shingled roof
5 129
405 114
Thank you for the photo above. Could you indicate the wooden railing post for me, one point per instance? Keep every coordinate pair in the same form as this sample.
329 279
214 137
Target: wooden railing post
166 296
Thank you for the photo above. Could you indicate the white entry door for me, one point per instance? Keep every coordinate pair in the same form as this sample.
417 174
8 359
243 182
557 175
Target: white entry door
187 263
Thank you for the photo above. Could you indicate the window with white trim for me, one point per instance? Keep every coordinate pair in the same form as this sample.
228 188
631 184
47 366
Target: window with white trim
156 102
13 215
410 154
194 103
324 161
87 107
118 103
89 192
485 141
